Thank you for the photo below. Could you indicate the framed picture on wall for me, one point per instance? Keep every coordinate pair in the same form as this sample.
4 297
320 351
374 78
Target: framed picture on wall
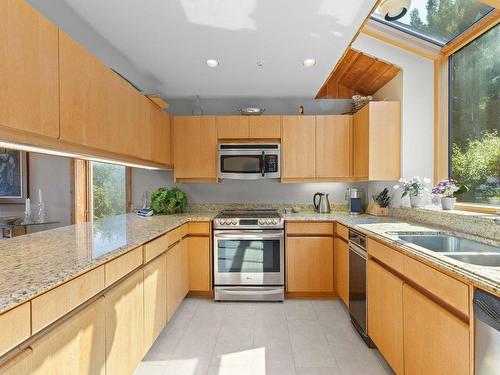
13 176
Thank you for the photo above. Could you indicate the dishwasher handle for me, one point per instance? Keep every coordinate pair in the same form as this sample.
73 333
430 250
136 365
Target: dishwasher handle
487 308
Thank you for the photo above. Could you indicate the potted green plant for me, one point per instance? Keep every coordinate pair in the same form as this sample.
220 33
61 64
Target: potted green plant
414 188
168 201
447 190
490 190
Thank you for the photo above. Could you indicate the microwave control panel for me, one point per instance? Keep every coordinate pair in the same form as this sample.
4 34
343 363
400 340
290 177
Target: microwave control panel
271 162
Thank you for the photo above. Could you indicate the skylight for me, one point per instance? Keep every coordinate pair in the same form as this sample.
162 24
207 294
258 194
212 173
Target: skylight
437 21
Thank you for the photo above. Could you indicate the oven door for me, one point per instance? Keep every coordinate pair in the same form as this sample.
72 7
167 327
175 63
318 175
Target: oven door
249 257
249 164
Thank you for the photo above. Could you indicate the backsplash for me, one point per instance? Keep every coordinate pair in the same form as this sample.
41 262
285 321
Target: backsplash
300 207
481 225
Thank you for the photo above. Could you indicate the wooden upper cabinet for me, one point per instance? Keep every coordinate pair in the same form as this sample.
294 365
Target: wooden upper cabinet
265 127
298 154
195 148
232 127
377 142
29 91
161 147
333 146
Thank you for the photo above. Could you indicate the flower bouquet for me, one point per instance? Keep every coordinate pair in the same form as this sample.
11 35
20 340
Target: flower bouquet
447 190
414 188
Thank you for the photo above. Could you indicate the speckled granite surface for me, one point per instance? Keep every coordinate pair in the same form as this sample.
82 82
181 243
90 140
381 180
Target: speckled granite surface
35 263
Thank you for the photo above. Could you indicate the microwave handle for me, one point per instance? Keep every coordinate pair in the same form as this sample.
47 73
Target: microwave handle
263 164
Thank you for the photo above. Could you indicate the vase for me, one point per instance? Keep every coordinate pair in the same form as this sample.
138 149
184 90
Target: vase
448 203
416 201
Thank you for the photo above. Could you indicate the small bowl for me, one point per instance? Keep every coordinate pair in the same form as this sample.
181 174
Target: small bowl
252 111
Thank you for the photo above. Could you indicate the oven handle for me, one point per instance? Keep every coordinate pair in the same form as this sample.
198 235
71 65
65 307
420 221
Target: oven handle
253 292
245 235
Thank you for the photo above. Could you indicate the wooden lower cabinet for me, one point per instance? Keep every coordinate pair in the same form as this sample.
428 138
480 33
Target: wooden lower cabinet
124 325
199 263
435 340
77 346
177 276
385 314
341 263
155 299
309 262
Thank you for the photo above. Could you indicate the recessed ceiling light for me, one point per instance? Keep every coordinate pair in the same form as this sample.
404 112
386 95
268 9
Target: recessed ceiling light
309 62
260 64
212 63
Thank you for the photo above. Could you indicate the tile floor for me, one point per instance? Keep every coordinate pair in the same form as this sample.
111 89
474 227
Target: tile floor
302 337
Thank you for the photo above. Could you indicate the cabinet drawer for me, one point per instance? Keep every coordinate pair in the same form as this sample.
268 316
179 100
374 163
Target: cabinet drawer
199 227
14 327
175 235
453 292
154 248
57 302
122 265
303 228
342 231
386 255
184 230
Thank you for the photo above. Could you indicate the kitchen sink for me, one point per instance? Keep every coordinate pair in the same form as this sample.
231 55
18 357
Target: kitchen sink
459 248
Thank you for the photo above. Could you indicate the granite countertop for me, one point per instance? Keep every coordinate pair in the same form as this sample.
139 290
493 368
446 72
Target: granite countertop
35 263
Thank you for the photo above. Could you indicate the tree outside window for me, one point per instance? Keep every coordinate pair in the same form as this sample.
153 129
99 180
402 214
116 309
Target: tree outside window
108 188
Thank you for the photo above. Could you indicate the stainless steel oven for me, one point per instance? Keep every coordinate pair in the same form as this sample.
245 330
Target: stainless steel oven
249 161
249 259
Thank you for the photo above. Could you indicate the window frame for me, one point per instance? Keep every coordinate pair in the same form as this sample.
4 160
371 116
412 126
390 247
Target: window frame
81 187
442 123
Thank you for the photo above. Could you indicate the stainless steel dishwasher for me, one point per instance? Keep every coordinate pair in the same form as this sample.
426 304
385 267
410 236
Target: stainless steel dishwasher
357 283
487 320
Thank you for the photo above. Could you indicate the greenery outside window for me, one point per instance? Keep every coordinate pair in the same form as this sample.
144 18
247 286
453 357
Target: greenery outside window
474 118
108 189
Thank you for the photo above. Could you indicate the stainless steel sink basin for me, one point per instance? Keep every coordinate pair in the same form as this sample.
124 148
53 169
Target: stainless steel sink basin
449 244
459 248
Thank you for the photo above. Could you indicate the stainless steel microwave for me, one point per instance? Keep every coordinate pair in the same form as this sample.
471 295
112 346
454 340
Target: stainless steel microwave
248 161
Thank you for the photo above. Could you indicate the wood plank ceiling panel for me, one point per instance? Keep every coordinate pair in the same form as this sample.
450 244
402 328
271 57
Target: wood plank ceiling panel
357 73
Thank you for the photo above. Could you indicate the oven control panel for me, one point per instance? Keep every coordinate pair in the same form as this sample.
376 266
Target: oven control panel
256 223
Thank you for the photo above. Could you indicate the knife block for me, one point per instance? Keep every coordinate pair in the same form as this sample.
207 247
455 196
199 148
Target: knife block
375 210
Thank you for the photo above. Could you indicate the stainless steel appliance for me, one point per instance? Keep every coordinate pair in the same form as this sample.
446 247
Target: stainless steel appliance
249 161
487 322
323 206
249 255
357 283
354 200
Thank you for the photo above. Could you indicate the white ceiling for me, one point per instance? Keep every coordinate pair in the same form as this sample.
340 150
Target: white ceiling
172 39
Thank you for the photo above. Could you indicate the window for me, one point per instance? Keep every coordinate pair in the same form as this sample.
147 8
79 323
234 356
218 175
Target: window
438 21
108 189
474 116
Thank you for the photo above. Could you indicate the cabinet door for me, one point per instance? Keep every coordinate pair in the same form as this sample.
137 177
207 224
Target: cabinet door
174 279
298 147
29 82
86 95
195 148
361 130
22 364
265 127
232 127
155 299
333 146
184 268
435 340
124 325
341 262
160 136
75 347
309 264
199 263
385 314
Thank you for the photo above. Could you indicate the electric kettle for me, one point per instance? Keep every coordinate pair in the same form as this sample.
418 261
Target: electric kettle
323 206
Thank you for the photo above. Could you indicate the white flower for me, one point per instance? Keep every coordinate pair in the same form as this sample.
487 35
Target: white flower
427 180
396 187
